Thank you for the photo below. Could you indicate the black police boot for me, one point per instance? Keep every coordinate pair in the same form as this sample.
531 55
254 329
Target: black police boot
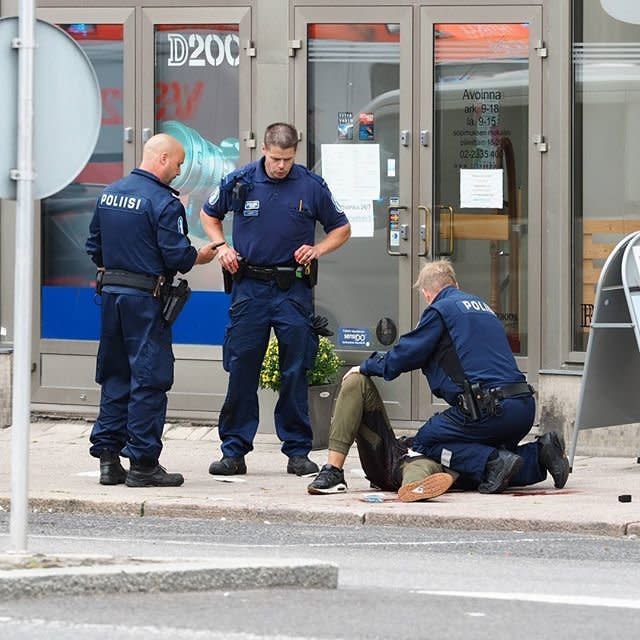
553 458
111 471
302 466
228 466
499 471
156 476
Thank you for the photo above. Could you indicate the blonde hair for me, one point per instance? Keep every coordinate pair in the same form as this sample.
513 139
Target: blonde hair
435 276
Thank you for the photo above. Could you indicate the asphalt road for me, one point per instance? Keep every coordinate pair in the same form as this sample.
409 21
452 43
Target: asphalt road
395 583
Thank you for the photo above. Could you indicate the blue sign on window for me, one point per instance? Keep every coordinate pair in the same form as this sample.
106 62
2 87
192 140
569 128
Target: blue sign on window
353 337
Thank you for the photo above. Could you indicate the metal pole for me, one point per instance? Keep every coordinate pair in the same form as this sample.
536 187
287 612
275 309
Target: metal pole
23 308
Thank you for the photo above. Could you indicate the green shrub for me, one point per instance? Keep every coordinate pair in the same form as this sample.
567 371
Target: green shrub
324 371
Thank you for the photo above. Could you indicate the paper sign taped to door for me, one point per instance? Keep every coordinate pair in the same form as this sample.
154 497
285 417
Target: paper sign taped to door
360 215
352 170
481 189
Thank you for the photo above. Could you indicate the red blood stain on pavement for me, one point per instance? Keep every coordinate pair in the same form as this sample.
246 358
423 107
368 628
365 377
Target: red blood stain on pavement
542 492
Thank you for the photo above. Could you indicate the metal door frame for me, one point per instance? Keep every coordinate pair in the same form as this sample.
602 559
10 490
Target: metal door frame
397 394
424 404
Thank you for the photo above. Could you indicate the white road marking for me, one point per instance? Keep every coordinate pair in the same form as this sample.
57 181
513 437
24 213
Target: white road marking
578 601
396 543
86 630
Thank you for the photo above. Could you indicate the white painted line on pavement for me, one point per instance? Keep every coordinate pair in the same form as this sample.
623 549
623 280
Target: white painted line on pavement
396 543
87 630
578 601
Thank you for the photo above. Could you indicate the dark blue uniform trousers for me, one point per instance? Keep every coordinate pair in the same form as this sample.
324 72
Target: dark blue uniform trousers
256 307
471 443
135 369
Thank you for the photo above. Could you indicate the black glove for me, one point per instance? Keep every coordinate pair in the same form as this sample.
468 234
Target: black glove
320 326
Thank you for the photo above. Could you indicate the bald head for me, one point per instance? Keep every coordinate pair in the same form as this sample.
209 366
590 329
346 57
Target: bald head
162 155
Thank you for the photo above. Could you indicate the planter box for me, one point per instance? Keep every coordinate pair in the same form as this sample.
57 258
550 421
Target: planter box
321 400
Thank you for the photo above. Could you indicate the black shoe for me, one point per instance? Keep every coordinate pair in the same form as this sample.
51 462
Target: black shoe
141 476
499 471
329 480
111 471
301 466
228 467
553 458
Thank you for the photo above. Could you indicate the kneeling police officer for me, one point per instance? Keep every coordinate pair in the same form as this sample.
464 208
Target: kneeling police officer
138 240
461 347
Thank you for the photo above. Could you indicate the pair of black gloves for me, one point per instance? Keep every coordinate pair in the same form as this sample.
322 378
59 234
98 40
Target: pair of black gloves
321 326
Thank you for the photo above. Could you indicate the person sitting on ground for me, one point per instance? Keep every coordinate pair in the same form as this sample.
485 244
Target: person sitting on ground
463 351
387 461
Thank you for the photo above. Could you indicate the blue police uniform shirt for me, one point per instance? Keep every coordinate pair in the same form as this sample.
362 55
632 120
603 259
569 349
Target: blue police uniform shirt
476 335
140 225
275 217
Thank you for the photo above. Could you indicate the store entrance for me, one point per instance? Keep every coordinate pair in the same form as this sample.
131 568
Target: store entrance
479 170
447 165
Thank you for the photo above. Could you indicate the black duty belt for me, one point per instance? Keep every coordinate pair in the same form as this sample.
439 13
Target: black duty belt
121 278
266 273
511 390
476 401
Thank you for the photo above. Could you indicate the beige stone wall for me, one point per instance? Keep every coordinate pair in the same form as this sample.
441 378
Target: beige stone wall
558 400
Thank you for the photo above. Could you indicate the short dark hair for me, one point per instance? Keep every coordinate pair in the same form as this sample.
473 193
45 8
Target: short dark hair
281 134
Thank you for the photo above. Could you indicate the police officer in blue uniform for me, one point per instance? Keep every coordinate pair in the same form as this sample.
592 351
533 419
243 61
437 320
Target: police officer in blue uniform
462 349
276 205
138 240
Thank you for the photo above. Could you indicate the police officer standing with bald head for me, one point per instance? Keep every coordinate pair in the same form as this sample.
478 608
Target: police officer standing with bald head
138 240
275 205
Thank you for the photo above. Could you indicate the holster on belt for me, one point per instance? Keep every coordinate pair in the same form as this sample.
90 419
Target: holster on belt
309 273
470 400
175 296
284 277
229 278
477 402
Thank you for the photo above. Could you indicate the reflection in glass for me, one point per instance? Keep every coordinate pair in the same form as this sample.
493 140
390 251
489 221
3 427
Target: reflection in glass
353 76
196 101
66 214
606 129
481 107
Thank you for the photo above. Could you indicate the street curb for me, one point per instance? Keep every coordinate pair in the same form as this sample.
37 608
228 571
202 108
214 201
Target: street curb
192 575
333 517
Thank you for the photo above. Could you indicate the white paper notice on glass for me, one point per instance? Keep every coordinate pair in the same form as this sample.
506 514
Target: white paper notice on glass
360 215
352 171
481 189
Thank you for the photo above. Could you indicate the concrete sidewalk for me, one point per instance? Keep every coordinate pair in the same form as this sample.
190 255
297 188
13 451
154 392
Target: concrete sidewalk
64 477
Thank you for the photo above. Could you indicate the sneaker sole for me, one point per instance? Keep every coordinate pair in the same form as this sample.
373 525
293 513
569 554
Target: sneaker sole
430 487
339 488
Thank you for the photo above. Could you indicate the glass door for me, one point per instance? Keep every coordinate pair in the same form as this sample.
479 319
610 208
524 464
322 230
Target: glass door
67 312
480 161
195 68
176 70
353 107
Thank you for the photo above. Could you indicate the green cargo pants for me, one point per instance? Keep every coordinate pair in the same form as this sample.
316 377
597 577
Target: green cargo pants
360 417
